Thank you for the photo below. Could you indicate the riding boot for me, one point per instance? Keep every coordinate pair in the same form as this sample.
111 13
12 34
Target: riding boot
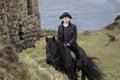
78 65
76 73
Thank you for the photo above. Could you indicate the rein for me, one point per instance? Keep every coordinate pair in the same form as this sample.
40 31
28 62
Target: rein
55 59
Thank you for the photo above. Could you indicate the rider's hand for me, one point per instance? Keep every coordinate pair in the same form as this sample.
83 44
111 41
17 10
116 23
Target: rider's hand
67 44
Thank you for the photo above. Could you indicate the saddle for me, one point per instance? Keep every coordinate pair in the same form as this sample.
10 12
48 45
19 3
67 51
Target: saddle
72 54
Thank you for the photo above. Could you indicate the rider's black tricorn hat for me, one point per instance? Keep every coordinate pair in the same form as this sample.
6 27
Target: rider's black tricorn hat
66 14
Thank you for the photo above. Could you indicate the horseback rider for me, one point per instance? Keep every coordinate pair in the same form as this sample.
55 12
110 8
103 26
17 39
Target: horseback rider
67 34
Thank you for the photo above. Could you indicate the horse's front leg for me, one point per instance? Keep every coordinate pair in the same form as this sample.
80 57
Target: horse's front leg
76 79
83 75
71 76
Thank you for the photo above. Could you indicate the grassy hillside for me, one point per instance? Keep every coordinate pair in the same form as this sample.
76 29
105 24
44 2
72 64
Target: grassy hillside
104 44
95 43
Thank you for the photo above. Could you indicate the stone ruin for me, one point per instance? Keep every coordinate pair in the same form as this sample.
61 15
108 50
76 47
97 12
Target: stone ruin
19 23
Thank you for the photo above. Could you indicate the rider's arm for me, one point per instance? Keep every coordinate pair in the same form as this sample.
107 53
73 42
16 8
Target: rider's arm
74 36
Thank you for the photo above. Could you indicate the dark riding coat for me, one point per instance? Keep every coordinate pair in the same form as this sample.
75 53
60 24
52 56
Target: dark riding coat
69 35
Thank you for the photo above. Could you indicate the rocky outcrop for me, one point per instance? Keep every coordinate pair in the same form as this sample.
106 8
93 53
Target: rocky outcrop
19 23
115 25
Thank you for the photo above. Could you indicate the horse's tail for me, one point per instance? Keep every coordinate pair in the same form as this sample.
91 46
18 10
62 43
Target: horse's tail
92 70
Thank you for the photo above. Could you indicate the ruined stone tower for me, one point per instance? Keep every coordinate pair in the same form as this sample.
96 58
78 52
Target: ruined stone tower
19 23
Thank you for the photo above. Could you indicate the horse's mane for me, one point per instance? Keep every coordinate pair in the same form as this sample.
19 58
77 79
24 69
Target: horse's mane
62 49
62 52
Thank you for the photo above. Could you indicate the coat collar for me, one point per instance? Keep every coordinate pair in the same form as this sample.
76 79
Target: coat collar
68 23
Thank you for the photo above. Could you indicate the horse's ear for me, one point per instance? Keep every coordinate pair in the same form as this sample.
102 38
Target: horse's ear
46 39
54 38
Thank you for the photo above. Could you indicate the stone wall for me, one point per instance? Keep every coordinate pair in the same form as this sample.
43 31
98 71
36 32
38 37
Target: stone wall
19 23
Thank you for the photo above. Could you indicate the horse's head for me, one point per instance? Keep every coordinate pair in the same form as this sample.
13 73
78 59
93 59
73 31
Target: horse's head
50 49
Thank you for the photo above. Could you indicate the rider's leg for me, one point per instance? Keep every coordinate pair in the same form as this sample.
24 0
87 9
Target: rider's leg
78 61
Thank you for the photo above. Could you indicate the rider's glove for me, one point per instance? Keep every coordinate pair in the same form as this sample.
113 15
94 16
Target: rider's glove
67 44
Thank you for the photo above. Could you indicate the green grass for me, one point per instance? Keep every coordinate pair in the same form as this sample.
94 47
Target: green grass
93 42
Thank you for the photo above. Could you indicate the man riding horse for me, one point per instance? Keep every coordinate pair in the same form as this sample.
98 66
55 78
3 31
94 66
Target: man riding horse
58 54
67 34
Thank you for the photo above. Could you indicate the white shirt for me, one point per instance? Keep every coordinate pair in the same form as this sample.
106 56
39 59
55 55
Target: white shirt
65 25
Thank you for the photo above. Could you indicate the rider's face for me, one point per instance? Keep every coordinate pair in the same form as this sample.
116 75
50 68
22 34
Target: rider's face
66 19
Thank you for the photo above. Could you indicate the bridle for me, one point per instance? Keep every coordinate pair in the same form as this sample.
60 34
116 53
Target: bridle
53 56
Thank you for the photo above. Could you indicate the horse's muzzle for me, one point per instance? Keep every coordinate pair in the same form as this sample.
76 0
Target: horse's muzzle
48 61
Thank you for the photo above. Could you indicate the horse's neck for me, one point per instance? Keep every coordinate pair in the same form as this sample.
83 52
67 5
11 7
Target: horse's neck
61 50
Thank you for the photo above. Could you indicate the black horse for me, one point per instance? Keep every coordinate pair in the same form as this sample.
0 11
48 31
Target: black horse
59 57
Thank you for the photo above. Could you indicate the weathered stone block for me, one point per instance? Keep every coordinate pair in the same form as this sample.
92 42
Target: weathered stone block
3 37
17 38
21 42
1 5
34 38
0 32
1 22
23 14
